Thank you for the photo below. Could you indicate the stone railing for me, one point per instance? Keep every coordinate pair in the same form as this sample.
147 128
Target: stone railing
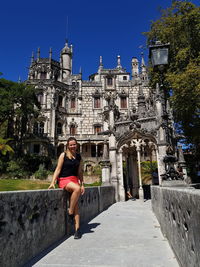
178 212
31 221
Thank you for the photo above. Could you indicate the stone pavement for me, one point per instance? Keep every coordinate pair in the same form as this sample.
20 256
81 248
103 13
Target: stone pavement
126 234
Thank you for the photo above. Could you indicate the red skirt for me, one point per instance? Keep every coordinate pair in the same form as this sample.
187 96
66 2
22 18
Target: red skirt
63 181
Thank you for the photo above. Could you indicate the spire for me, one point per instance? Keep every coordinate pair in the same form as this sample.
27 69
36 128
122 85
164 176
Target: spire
19 79
80 70
32 57
50 54
143 66
100 61
100 64
119 62
38 53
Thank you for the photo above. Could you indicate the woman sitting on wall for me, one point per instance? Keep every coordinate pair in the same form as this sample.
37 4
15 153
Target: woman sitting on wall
70 177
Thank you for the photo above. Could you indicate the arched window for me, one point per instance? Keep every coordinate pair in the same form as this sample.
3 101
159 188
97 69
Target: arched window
97 129
73 103
40 98
123 101
35 128
109 81
97 103
43 75
59 128
41 128
60 100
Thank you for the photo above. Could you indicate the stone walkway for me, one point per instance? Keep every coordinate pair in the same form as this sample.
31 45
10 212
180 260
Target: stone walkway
126 234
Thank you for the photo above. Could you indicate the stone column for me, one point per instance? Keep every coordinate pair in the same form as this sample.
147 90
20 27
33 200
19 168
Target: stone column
105 165
96 152
159 167
45 100
120 175
161 152
53 115
113 161
80 148
46 127
139 170
181 161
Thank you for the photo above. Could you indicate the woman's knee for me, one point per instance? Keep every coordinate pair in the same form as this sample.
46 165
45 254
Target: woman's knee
77 189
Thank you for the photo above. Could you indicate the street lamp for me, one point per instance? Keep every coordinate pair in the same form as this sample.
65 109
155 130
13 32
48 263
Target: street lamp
159 55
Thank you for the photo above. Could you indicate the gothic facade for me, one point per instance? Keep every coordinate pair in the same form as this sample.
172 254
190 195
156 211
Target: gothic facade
114 115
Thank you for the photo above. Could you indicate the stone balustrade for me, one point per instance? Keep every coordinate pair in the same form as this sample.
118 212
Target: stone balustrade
31 221
178 212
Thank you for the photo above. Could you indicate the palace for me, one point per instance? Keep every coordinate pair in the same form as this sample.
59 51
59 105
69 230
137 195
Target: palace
115 116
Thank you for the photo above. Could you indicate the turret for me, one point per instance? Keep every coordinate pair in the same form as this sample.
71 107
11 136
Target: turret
66 61
119 62
100 64
143 75
135 69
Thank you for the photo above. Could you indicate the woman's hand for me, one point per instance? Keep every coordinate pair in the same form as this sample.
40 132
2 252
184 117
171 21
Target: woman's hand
52 185
82 189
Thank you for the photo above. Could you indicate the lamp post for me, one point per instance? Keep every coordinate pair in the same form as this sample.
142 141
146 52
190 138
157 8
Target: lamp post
159 55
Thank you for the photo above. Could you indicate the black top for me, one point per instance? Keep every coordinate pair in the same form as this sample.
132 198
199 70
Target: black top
70 166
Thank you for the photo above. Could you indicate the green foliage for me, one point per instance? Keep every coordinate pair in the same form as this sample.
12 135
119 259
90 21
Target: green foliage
41 173
97 170
3 165
4 147
14 170
31 162
20 184
94 184
179 25
147 167
18 105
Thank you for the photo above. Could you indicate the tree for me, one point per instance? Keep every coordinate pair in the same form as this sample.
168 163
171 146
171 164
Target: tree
5 147
180 26
18 105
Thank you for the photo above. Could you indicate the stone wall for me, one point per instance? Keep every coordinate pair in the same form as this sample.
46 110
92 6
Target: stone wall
178 212
31 221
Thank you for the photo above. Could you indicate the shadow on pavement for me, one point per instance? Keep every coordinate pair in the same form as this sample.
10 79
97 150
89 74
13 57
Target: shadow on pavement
88 228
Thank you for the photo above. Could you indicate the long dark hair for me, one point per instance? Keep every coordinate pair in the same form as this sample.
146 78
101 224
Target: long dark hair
68 152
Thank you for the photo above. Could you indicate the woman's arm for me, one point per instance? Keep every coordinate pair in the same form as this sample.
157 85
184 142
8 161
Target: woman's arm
57 170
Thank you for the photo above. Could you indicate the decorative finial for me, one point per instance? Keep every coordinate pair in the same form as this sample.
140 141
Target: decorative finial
50 53
119 62
100 61
38 53
32 57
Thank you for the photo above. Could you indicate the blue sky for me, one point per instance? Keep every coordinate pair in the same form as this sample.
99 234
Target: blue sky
95 28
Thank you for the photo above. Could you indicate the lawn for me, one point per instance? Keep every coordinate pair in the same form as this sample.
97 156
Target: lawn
20 184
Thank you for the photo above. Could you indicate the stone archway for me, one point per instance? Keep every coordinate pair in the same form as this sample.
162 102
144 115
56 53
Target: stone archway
129 150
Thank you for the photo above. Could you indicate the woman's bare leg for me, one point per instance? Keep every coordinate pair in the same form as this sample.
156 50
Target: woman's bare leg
76 191
76 217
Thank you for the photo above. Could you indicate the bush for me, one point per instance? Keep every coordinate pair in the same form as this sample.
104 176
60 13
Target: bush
41 173
32 162
14 170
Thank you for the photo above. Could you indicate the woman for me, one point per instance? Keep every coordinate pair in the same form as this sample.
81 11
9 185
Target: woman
70 177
